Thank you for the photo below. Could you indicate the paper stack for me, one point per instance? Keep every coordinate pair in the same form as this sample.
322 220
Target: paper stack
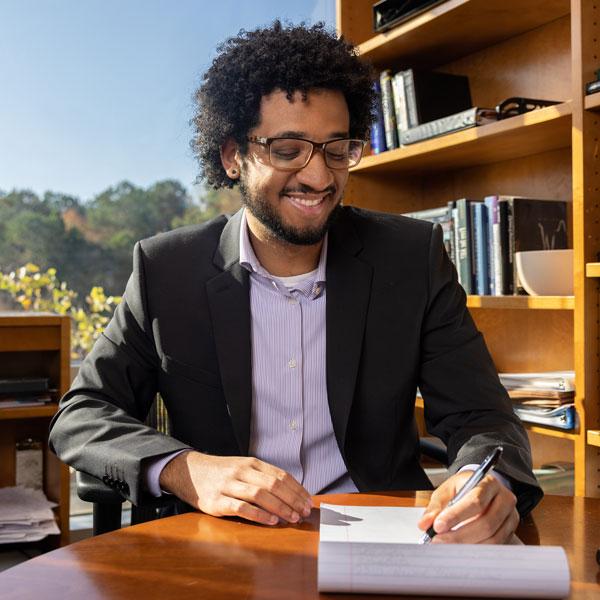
25 515
545 398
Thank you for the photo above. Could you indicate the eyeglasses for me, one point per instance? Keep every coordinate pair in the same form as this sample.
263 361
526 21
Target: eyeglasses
291 154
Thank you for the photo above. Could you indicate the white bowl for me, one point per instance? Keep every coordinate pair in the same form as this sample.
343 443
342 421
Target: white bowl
546 272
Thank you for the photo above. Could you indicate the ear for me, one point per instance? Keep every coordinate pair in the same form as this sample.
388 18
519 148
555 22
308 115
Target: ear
230 158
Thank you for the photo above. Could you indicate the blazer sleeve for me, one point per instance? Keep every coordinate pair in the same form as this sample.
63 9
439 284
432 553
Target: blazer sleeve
465 403
99 426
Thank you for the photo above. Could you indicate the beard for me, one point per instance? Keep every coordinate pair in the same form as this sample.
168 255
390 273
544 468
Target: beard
271 219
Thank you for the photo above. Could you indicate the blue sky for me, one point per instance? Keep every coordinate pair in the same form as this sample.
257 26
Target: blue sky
96 91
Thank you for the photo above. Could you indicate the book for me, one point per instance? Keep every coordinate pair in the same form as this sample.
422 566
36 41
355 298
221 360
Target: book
400 102
431 95
377 130
563 381
471 117
533 224
464 255
375 549
481 248
23 385
494 252
21 401
387 106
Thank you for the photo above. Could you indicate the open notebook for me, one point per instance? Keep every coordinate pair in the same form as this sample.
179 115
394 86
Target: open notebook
369 549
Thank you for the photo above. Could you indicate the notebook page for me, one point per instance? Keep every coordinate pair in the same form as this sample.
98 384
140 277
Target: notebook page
352 559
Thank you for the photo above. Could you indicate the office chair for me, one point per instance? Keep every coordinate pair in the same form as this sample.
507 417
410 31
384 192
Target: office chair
107 501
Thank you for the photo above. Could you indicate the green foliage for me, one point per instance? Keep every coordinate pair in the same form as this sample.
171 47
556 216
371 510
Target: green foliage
37 291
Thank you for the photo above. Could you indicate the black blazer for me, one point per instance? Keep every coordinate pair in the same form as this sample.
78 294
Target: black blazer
396 319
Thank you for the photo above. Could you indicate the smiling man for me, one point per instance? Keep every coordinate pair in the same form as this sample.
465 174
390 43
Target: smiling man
288 340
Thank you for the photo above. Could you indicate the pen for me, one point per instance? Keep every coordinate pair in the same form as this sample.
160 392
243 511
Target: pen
482 470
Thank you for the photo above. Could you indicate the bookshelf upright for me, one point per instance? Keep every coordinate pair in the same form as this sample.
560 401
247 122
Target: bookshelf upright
545 49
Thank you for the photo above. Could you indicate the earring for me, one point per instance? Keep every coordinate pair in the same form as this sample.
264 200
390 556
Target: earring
233 172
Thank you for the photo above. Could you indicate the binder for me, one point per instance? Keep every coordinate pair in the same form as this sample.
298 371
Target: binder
563 417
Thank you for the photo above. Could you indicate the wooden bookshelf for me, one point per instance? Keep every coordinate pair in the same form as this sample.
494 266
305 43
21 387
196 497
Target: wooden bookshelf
538 49
592 269
36 345
593 437
592 102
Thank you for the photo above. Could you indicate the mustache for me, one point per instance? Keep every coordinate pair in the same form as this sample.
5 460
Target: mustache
305 189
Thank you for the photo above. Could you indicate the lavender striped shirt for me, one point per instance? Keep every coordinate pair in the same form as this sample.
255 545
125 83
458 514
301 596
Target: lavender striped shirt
291 425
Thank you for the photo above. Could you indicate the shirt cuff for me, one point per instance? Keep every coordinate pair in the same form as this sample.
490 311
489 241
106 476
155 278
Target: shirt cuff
505 482
153 470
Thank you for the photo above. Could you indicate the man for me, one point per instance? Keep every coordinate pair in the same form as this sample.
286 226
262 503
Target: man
288 341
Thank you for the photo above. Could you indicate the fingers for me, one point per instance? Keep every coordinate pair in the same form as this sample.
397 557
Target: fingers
473 504
486 515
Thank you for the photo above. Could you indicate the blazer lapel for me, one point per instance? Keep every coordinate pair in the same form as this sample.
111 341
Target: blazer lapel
348 292
229 302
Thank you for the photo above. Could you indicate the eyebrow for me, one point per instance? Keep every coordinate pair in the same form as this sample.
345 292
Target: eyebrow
302 134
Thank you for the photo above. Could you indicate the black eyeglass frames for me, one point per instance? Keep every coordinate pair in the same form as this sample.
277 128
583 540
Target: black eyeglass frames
291 154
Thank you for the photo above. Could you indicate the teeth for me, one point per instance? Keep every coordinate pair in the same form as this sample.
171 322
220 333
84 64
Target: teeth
306 202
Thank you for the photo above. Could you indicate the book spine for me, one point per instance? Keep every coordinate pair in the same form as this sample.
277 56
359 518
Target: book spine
465 263
451 234
389 116
480 228
411 99
400 103
377 130
511 245
506 273
491 203
456 242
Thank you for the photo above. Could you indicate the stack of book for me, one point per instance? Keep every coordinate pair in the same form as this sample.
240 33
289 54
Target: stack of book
24 391
481 237
411 98
545 398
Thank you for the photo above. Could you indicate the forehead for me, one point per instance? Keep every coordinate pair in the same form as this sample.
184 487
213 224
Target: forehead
322 114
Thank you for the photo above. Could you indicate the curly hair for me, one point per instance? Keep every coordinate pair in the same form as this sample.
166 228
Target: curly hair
255 63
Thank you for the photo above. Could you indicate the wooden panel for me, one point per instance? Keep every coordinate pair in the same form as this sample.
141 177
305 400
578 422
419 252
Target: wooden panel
586 240
532 133
541 61
527 340
22 339
593 437
28 412
453 29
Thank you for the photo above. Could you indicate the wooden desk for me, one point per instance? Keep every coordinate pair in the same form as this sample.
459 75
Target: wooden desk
196 556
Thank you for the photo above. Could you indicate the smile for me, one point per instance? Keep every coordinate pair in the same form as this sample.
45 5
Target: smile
307 201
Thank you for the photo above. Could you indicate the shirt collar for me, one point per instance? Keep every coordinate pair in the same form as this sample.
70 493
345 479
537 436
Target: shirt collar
249 261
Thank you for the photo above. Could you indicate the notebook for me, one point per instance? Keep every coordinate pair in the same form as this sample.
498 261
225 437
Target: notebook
375 549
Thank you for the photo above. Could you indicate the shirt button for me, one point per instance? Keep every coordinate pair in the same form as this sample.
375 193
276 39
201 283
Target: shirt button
292 363
293 425
292 300
317 290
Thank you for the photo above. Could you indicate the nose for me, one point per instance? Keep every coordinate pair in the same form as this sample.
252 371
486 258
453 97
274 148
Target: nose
316 174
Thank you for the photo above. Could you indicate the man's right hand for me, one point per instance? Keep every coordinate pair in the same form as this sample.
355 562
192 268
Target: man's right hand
236 486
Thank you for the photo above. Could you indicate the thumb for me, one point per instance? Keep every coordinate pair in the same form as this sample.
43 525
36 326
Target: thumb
438 501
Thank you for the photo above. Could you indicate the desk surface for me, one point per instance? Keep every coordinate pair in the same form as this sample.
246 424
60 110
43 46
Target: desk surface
198 556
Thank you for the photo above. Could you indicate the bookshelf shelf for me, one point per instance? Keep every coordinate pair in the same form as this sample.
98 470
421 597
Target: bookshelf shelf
592 102
592 269
524 302
593 437
548 431
454 29
532 133
28 412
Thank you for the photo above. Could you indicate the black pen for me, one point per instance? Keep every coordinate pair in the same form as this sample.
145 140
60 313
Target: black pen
482 470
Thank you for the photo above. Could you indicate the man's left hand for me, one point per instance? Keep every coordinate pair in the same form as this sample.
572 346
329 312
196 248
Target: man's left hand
487 513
